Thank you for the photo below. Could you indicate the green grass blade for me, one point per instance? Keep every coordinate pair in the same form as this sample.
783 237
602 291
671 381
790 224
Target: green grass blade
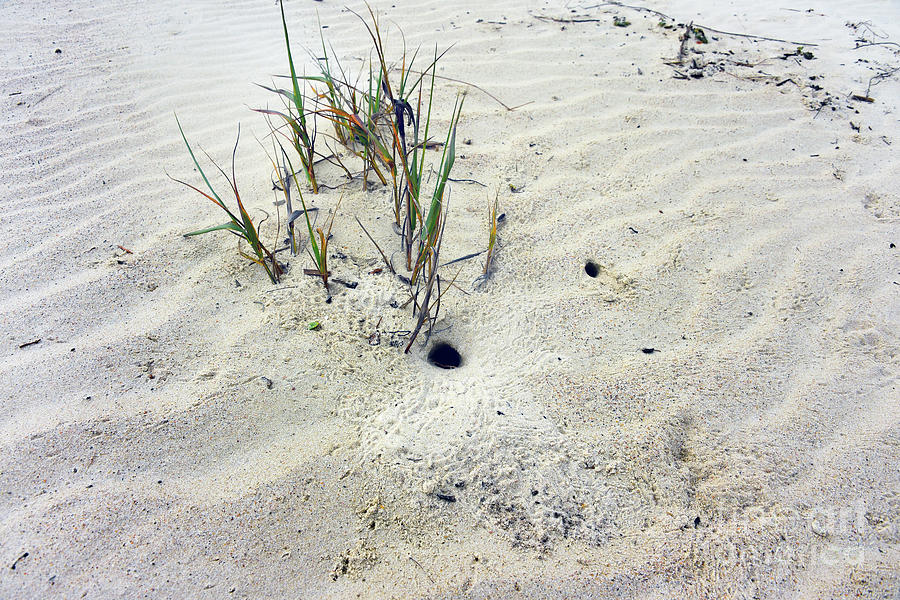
197 164
447 159
298 99
231 225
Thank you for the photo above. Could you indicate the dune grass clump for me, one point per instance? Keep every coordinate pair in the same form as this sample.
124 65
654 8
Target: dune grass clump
240 223
383 118
387 124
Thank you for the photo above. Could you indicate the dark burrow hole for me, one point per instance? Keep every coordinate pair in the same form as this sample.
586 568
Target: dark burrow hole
591 268
445 356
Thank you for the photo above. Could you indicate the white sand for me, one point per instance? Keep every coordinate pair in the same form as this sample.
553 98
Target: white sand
739 232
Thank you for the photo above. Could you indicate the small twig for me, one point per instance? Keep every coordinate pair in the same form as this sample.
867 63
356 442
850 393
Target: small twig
47 95
31 343
756 37
323 158
462 258
336 187
380 251
637 8
822 105
877 44
452 284
704 27
466 181
347 284
575 20
881 76
429 145
15 562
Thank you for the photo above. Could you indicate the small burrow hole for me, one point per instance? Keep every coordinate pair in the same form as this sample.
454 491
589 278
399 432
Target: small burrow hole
591 268
445 356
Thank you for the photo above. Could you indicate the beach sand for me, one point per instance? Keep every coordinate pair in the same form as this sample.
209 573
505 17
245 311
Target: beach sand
714 415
